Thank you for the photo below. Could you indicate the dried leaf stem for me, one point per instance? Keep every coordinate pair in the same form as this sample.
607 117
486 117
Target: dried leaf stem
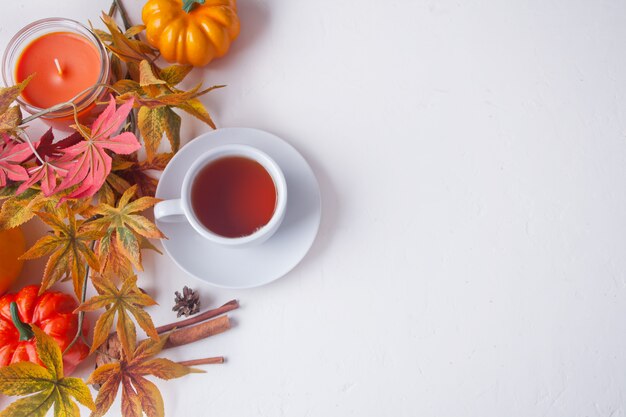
118 6
69 103
125 19
112 9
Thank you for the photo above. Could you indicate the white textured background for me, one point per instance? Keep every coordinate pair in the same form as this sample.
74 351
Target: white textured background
470 261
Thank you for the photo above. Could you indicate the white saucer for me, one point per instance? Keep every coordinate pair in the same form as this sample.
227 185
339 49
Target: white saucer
258 265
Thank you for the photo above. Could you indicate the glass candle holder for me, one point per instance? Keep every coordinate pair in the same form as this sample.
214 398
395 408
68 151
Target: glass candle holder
86 99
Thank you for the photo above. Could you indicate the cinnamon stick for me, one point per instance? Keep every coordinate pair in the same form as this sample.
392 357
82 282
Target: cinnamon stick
209 314
197 332
205 361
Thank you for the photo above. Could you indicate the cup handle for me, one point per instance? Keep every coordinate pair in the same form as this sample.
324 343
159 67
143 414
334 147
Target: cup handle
170 211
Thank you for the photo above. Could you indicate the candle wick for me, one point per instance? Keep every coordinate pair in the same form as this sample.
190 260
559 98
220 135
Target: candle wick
58 65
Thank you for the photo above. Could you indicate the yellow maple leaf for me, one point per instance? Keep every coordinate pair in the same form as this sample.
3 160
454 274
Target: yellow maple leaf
121 302
68 248
123 229
46 384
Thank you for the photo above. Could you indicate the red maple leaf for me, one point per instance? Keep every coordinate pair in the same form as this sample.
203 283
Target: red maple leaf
11 155
92 163
51 164
48 149
47 174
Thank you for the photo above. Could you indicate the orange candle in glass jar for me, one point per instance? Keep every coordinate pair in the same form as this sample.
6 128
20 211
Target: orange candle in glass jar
65 64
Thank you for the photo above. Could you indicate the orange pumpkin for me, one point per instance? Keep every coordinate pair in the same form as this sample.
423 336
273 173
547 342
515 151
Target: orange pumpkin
12 246
191 31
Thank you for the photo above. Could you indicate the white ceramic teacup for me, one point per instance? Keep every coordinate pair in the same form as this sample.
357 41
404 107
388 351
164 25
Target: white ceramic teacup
181 209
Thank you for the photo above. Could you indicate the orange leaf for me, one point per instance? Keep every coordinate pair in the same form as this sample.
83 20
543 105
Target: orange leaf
68 247
103 373
131 405
123 302
126 331
123 229
107 393
165 369
138 394
102 328
150 397
195 108
135 172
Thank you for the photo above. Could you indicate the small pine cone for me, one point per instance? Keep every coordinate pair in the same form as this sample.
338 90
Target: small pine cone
188 303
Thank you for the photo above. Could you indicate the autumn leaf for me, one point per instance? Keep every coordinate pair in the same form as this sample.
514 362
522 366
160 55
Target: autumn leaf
195 108
46 175
51 164
105 194
19 209
132 171
124 301
67 247
11 117
134 31
46 384
9 94
138 393
47 148
156 96
7 191
146 75
116 68
115 262
152 127
123 228
123 45
175 74
12 154
93 163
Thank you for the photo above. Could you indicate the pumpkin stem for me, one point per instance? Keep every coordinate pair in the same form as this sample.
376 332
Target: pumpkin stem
189 4
26 333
